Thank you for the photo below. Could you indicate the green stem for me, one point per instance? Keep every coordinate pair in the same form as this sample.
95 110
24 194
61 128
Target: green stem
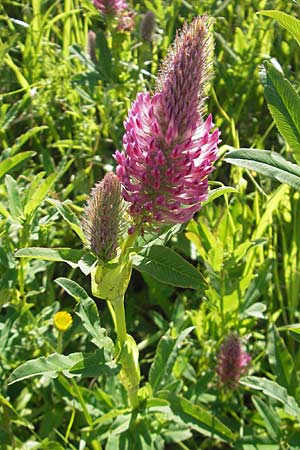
127 362
59 342
120 320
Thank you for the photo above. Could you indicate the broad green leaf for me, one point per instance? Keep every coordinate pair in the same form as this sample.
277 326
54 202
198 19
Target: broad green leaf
67 255
69 217
40 194
271 419
11 162
88 313
94 365
284 105
266 163
166 354
14 199
273 390
166 266
50 366
282 362
198 418
289 22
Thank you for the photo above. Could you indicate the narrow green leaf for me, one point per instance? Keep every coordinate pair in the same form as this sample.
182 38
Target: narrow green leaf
40 194
35 184
108 417
50 366
166 353
166 266
218 192
72 288
284 105
88 313
266 163
295 335
271 419
14 199
278 197
67 255
289 22
198 418
273 390
69 217
152 239
21 140
11 162
282 362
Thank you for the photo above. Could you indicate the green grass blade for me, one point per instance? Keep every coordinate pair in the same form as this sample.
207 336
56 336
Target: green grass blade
9 163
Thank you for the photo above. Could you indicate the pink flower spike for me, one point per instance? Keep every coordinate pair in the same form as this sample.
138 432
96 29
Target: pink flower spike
169 148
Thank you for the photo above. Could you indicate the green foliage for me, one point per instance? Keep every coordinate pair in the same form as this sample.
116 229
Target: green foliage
233 268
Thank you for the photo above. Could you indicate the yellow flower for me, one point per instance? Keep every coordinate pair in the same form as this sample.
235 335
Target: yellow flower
62 320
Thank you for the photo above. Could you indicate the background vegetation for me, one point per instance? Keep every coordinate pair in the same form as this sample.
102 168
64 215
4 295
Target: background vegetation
61 119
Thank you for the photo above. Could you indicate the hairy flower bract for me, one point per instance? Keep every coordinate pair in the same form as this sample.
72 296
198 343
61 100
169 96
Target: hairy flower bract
103 217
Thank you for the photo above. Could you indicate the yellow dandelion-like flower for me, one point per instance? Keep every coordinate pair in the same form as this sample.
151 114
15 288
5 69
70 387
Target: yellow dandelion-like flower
62 320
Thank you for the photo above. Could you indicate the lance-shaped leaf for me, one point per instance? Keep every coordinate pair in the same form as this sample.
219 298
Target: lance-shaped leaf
266 163
284 105
50 366
166 266
197 418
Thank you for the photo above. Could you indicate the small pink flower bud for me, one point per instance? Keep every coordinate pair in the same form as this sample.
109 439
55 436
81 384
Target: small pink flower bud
102 220
147 26
232 361
91 45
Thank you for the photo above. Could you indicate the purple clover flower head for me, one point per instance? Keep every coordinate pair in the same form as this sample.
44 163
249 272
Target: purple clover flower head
103 214
232 361
110 7
168 147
